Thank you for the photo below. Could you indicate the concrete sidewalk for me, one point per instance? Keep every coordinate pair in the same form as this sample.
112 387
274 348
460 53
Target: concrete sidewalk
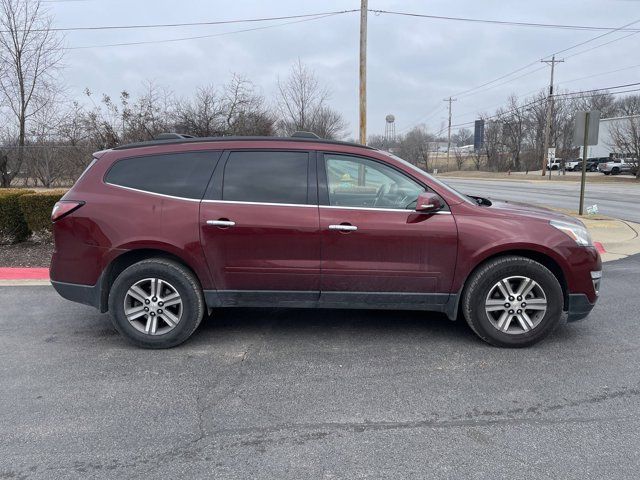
618 237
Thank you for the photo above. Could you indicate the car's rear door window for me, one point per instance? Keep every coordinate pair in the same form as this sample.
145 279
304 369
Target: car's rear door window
177 174
266 177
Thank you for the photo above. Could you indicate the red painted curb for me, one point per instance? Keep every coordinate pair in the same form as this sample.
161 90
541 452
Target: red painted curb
599 247
10 273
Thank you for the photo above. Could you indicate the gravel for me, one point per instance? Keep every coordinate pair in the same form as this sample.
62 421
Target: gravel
26 254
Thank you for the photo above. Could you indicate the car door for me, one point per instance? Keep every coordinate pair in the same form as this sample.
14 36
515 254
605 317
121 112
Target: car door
260 228
376 249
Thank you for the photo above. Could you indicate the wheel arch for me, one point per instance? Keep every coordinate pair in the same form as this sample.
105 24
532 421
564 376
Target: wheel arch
128 258
546 260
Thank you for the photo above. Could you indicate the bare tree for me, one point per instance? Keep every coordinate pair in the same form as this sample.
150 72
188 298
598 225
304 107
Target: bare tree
625 137
462 137
30 54
414 146
200 116
627 106
477 157
303 105
236 110
244 110
460 158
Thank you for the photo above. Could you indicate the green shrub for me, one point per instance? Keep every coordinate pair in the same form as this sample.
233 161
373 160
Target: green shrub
36 210
13 227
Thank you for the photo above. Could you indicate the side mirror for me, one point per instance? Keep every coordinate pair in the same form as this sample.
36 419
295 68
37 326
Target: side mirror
428 202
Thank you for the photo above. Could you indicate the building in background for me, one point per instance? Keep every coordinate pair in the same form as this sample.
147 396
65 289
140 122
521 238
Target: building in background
607 144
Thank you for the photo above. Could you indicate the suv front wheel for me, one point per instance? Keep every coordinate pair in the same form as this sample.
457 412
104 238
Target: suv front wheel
156 303
512 302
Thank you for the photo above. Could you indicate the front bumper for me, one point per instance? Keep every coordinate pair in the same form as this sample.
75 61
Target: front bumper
579 307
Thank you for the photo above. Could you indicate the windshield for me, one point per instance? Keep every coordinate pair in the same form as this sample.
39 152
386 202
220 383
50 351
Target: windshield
438 182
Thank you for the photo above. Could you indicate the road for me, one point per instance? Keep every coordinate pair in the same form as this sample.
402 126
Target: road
292 394
619 200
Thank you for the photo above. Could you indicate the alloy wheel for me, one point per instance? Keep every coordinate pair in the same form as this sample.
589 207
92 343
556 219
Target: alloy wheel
153 306
516 305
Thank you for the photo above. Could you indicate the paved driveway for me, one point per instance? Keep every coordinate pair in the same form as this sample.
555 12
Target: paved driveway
291 394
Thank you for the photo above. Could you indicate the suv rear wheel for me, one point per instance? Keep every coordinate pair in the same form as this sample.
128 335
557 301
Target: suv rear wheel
512 302
156 303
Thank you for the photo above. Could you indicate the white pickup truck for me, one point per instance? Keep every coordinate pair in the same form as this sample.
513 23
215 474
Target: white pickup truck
616 166
554 164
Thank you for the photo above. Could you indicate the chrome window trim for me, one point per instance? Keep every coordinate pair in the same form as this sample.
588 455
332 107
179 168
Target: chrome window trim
441 212
238 202
152 193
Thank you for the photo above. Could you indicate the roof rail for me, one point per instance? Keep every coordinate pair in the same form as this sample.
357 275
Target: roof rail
171 136
302 134
179 139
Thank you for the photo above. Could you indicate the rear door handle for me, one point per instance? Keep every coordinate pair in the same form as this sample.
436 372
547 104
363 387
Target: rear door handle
343 228
221 223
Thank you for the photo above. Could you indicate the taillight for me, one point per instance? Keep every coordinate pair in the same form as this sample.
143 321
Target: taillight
64 208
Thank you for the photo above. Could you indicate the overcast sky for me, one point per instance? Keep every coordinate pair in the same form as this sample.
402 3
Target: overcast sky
414 63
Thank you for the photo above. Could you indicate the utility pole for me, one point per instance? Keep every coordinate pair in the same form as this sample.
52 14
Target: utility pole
547 126
449 134
364 7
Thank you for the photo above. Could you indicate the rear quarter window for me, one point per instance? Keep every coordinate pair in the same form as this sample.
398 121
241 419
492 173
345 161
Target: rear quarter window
177 174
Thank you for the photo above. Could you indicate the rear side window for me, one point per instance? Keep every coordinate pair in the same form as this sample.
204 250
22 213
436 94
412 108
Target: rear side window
177 174
269 177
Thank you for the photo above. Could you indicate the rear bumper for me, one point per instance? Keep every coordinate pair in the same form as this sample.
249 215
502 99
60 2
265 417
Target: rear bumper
85 294
579 307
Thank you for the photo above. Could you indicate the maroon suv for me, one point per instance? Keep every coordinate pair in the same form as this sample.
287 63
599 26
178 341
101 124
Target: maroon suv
160 233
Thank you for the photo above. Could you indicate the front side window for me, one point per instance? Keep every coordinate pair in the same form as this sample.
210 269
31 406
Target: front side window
177 174
266 177
358 182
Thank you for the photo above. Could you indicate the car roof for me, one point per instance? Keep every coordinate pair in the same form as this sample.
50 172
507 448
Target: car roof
300 140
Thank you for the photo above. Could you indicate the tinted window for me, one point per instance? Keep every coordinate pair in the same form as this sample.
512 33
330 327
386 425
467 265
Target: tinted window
177 174
270 177
357 182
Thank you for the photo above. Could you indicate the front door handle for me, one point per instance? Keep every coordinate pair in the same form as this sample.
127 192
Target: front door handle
343 228
221 223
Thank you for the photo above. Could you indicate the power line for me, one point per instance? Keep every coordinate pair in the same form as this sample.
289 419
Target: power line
498 22
601 73
598 89
554 53
504 83
189 24
571 95
198 37
376 11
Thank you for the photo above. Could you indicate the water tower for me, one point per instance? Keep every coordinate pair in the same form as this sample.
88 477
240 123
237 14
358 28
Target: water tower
390 129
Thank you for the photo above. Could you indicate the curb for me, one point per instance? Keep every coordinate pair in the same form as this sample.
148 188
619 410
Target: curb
12 273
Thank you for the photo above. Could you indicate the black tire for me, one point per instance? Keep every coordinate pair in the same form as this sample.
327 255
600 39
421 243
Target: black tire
615 171
181 279
483 280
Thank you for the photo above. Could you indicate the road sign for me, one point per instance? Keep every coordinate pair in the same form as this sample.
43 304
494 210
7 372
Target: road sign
478 135
551 154
593 128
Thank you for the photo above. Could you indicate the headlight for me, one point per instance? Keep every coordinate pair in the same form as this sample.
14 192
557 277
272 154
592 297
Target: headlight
577 232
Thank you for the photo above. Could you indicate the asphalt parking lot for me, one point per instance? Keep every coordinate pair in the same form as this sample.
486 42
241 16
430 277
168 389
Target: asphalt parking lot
293 394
